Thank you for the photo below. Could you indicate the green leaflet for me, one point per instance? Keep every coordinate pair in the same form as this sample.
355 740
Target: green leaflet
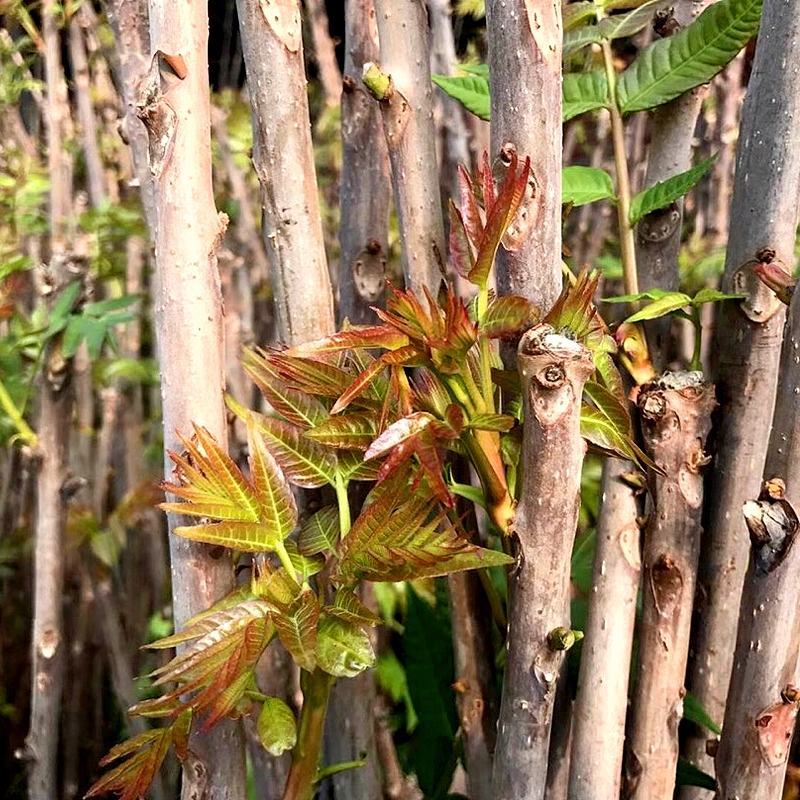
668 191
343 648
582 92
320 532
694 712
582 185
687 774
277 729
296 625
472 91
693 56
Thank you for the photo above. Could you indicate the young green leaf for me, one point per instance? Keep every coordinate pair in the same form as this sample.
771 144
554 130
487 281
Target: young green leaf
714 296
343 648
472 91
687 774
666 304
276 726
578 38
618 26
694 712
582 185
693 56
650 294
668 191
582 92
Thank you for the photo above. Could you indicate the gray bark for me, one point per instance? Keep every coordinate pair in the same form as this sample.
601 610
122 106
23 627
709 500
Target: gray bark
173 101
762 700
129 21
676 418
658 235
602 699
411 139
283 158
525 80
330 77
47 641
365 190
553 370
747 341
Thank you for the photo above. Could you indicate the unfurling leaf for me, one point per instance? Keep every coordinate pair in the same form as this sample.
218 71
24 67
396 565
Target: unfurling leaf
508 316
398 537
607 425
143 756
343 648
668 191
277 728
296 625
348 607
251 515
693 56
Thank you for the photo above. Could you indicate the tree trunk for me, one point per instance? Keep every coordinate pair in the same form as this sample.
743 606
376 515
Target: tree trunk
407 108
48 645
553 370
763 700
130 22
747 343
525 77
173 101
676 418
602 700
283 157
365 190
330 77
658 234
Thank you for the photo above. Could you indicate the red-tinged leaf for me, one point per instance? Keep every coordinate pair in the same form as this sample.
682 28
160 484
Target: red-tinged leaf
385 337
461 255
304 462
304 566
348 606
275 586
295 406
470 211
430 459
297 628
508 316
429 392
143 756
405 312
574 311
278 509
320 532
486 174
249 537
491 422
397 536
346 431
403 356
156 707
398 433
309 375
216 478
456 336
499 217
352 467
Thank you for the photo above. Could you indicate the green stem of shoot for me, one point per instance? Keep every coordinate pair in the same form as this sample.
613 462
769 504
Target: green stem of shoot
626 242
344 506
697 362
485 354
25 432
283 555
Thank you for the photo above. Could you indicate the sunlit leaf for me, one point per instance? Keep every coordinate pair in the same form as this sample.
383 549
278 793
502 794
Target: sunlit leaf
346 431
668 191
582 185
666 304
714 296
356 336
348 606
694 55
508 316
